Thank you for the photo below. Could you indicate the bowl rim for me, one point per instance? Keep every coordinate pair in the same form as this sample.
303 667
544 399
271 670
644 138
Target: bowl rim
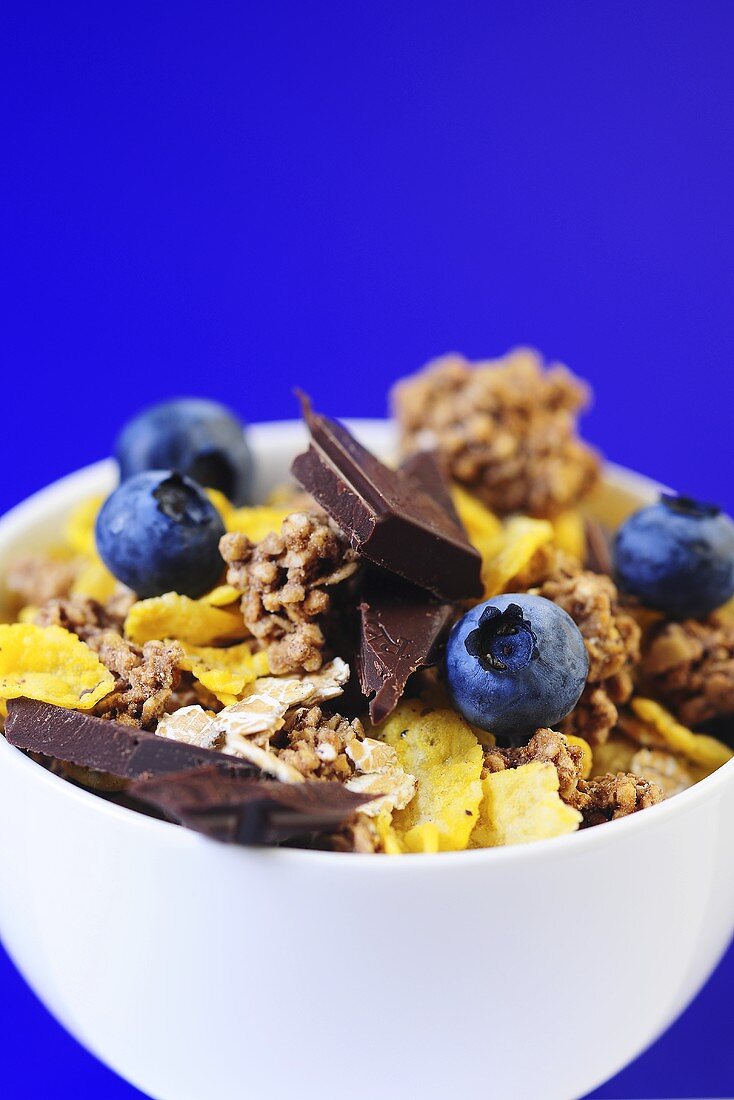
86 481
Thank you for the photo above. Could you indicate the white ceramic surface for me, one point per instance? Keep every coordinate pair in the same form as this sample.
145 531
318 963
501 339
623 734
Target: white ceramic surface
205 972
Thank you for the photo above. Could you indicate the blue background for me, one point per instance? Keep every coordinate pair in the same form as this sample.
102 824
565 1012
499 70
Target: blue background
230 199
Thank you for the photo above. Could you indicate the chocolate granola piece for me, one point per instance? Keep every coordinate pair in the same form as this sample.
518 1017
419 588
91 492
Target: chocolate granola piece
105 746
608 797
38 578
388 518
287 581
506 429
548 747
238 810
611 636
401 631
145 678
78 614
689 666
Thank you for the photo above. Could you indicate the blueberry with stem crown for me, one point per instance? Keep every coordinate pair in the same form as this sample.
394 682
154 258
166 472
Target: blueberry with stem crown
201 439
514 664
159 532
677 556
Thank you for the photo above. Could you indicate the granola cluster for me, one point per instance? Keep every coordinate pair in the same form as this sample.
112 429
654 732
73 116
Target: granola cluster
505 429
612 639
690 666
78 614
37 578
599 798
145 678
315 744
285 581
613 796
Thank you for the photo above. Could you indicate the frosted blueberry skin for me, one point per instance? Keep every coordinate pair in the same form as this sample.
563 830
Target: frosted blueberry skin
201 439
677 556
159 532
514 664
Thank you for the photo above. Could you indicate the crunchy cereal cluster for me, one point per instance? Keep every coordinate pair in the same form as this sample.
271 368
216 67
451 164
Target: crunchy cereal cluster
506 429
600 798
690 666
285 581
145 679
612 639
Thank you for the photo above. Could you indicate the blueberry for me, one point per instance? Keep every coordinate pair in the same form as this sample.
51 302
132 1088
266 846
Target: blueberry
677 556
515 664
159 532
201 439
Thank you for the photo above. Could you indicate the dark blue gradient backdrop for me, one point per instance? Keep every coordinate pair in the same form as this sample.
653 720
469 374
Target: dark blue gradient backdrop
229 199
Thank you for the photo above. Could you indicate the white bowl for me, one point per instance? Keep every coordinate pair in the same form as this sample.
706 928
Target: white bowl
201 971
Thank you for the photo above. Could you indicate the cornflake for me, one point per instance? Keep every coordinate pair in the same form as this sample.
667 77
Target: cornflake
699 748
569 533
520 540
52 665
521 805
94 581
225 672
440 749
183 619
79 528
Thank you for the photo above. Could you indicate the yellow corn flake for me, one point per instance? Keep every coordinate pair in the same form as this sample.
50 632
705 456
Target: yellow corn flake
615 755
521 805
423 838
222 596
482 526
225 672
52 665
587 758
521 538
79 528
256 522
697 747
94 581
183 619
389 839
439 748
28 614
222 503
569 534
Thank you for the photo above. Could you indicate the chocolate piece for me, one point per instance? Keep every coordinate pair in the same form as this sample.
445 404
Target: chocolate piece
389 519
422 472
401 631
598 548
106 746
238 810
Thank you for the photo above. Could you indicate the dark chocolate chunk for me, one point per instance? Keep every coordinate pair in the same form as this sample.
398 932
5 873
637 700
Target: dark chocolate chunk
238 810
106 746
402 629
389 519
598 548
422 472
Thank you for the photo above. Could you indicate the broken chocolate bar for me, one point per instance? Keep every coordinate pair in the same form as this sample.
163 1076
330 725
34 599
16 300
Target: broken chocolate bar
422 473
106 746
238 810
598 548
388 518
401 631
